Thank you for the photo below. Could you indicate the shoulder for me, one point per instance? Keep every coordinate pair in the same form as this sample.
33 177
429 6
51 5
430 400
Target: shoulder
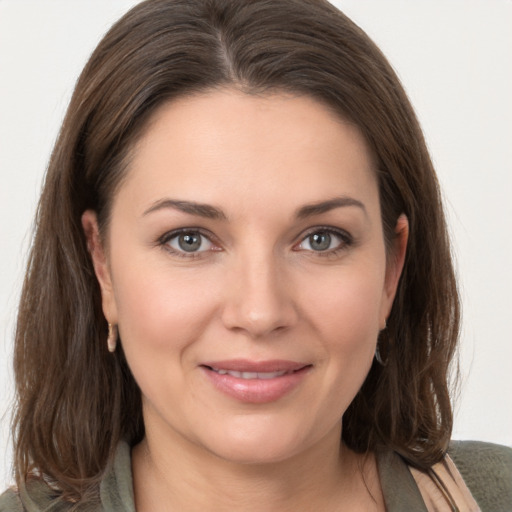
487 470
10 502
37 496
115 492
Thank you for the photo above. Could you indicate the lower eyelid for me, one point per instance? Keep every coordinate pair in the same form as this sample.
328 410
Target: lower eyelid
345 239
164 241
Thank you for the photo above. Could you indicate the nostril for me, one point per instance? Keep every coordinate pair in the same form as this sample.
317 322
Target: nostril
259 306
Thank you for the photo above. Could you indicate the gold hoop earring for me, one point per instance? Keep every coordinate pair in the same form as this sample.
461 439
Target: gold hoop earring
112 338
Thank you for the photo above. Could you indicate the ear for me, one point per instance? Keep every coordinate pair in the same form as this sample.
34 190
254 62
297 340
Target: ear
100 262
394 266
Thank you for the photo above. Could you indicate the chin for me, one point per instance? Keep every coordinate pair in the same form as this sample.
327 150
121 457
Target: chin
251 453
256 442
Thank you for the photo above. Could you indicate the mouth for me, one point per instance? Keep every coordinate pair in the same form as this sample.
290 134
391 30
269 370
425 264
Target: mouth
256 381
250 375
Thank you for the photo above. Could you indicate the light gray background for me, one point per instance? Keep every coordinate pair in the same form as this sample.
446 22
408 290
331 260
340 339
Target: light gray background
454 57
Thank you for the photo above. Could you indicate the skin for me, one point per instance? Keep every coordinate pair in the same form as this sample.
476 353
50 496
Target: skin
258 289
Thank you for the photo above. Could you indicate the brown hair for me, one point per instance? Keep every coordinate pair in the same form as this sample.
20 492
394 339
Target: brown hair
75 401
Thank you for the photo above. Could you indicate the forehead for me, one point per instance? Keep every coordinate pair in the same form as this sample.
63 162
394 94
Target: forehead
225 145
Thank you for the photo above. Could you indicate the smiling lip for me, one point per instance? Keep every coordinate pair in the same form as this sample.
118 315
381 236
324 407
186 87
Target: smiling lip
255 382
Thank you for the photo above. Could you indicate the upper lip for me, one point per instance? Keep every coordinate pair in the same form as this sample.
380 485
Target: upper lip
245 365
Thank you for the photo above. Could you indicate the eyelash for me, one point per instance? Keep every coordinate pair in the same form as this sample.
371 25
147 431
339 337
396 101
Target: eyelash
346 241
164 240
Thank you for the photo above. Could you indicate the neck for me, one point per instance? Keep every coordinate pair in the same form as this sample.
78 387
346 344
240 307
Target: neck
170 475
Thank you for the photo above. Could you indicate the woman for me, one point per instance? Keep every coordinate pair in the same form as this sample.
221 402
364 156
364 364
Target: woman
241 282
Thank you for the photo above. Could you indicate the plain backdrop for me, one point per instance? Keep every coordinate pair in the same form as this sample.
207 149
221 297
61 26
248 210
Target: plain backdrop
455 60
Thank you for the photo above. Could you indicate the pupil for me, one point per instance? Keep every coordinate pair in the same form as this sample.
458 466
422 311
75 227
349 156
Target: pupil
320 241
189 242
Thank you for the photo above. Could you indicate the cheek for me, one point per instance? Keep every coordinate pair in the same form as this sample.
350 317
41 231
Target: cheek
341 315
350 336
159 309
346 306
344 313
162 315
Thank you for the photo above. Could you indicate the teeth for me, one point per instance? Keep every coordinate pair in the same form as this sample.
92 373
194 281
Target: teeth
251 375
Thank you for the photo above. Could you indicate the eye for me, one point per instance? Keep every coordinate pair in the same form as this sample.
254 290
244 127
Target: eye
189 241
325 240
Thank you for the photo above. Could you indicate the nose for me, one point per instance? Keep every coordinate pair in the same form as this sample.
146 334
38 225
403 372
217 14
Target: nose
259 297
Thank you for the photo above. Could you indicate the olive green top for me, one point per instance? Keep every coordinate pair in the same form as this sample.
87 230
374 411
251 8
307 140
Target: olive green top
486 469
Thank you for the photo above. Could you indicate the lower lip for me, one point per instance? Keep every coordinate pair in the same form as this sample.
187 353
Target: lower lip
256 391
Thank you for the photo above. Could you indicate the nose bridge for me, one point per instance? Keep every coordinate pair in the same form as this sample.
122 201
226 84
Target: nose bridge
260 299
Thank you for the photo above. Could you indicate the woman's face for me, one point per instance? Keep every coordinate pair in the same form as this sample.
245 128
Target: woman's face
246 269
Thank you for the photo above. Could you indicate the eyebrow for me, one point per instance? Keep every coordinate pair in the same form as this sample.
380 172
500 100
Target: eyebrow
324 206
211 212
202 210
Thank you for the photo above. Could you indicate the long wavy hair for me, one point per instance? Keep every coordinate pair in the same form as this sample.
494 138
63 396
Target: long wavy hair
75 400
